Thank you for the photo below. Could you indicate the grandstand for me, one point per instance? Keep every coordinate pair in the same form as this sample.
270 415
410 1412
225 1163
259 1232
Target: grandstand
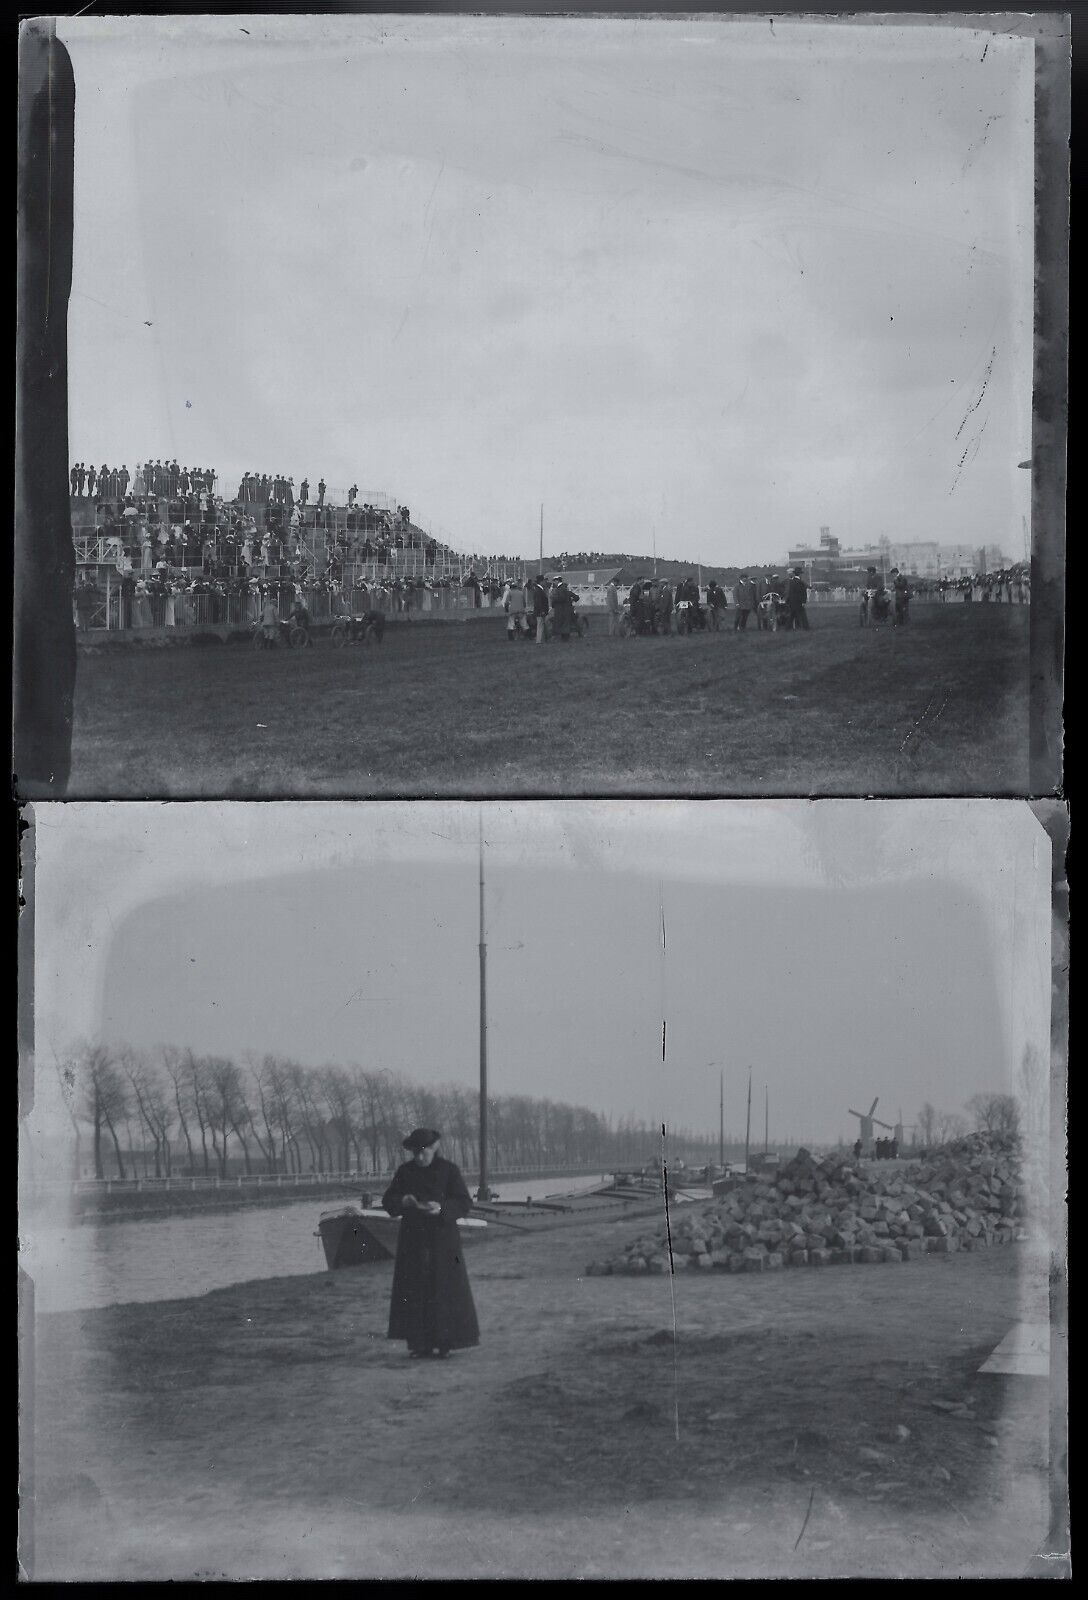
200 560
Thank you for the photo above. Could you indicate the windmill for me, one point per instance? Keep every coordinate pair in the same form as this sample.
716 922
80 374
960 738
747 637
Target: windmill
868 1120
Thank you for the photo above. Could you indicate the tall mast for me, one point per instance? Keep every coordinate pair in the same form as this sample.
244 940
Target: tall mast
721 1119
748 1123
542 537
484 1193
766 1118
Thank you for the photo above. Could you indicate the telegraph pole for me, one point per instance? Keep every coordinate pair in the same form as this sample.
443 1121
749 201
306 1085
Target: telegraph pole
766 1118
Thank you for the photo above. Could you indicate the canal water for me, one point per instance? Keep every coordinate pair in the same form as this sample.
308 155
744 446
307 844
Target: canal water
91 1264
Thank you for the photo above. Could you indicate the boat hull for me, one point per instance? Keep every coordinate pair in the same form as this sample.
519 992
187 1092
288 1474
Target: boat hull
354 1238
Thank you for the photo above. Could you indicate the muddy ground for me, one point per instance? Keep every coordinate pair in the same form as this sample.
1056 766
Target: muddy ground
807 1422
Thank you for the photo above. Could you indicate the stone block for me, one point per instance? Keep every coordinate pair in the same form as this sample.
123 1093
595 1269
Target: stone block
911 1249
870 1253
890 1253
798 1258
772 1260
704 1261
819 1258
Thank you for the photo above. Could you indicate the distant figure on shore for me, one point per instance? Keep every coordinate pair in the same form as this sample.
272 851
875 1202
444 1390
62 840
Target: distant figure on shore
431 1307
857 1149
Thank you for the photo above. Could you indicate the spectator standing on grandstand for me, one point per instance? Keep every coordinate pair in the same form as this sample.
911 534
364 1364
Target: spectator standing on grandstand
92 479
612 602
540 606
353 495
123 481
304 492
796 599
73 479
321 491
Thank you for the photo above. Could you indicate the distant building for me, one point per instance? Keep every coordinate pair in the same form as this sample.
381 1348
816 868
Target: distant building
828 563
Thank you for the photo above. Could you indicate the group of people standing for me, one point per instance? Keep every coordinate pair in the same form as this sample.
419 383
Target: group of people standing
756 597
163 479
530 605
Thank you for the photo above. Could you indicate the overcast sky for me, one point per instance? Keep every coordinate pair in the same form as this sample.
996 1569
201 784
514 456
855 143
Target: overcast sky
712 283
842 950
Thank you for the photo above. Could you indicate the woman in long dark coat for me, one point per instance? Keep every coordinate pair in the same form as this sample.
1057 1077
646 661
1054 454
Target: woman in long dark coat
431 1306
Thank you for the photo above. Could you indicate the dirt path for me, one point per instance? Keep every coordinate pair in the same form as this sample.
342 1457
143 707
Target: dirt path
830 1423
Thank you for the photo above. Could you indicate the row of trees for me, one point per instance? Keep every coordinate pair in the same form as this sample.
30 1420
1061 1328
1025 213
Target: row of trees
171 1112
989 1112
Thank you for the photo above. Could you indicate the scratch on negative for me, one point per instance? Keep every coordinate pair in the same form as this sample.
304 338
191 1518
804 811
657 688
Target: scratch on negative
981 393
808 1513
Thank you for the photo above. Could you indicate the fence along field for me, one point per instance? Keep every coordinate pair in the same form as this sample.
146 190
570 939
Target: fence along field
937 707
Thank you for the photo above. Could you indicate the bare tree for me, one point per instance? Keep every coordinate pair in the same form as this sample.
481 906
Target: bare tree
995 1113
174 1070
152 1105
949 1125
106 1099
927 1124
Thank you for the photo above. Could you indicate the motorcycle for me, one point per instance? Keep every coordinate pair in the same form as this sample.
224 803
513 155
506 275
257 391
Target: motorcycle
875 607
689 616
770 612
288 633
368 629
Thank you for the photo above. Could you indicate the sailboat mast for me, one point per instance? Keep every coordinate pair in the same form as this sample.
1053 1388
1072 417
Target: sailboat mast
721 1119
484 1192
748 1123
766 1118
542 538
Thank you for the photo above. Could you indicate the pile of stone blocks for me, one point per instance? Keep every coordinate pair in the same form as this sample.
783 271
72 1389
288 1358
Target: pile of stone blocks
816 1213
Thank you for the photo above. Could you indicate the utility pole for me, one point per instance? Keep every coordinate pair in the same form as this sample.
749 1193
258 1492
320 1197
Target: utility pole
542 538
766 1119
483 1193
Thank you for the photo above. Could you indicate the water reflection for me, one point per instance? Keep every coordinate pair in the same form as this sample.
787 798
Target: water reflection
86 1265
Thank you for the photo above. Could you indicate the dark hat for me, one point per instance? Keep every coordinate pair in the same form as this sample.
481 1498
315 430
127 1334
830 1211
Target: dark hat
421 1139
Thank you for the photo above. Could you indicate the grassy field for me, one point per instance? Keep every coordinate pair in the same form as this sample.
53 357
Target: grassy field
795 1424
453 709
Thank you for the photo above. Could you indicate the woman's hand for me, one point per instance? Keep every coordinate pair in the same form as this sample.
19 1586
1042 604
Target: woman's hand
433 1208
409 1202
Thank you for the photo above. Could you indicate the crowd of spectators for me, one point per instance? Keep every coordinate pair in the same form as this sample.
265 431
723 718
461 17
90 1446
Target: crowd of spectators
158 479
